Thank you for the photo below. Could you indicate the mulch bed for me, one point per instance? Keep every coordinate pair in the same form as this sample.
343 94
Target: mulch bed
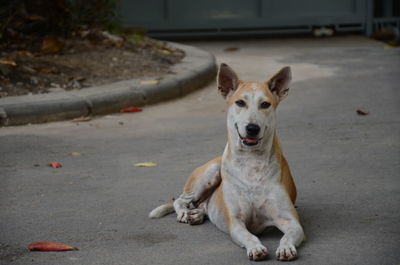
88 58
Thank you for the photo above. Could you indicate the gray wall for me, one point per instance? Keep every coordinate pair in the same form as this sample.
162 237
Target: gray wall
231 17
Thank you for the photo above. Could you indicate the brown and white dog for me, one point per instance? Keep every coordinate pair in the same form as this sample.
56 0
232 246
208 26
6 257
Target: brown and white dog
250 187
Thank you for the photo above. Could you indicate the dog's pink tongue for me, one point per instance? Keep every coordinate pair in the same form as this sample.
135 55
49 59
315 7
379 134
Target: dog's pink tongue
251 140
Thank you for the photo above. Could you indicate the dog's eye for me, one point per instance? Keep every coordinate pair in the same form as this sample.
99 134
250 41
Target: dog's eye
240 103
265 105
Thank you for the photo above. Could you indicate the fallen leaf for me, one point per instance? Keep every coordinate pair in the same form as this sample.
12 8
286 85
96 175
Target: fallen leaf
81 119
231 49
35 18
111 37
112 43
150 82
24 53
49 246
146 164
362 112
79 78
55 164
83 33
28 69
131 109
165 51
8 61
75 154
51 45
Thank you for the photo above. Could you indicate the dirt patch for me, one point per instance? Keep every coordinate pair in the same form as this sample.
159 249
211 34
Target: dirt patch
94 58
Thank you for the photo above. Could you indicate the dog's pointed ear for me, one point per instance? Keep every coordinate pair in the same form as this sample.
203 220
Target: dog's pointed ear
279 83
227 80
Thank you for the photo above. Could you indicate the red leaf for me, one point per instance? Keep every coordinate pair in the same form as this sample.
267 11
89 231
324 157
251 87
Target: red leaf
49 246
55 164
362 112
131 109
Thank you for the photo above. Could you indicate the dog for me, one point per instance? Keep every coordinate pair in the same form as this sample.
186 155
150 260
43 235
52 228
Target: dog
250 186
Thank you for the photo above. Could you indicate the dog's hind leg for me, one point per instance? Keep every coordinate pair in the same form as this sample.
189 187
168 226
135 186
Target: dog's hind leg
190 207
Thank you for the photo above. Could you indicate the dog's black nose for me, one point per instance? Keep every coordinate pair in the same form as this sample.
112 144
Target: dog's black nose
252 129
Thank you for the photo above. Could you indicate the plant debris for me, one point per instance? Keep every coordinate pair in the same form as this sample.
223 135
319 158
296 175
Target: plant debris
49 246
55 164
82 119
89 57
51 45
131 109
146 164
231 49
8 61
362 112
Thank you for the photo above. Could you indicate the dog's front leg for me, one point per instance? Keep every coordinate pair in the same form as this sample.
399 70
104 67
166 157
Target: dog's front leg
241 236
182 206
293 236
190 206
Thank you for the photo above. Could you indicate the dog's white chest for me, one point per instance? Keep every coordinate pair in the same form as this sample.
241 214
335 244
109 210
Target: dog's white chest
252 173
251 185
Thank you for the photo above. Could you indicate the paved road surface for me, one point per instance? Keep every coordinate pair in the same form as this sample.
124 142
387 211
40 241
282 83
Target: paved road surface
346 166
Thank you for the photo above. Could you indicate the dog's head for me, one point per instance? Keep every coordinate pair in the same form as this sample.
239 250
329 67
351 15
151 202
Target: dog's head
252 105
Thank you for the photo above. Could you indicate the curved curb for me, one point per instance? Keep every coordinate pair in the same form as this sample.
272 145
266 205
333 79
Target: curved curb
195 70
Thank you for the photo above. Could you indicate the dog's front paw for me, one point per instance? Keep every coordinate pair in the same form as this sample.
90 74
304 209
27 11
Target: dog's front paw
259 252
182 216
195 216
286 252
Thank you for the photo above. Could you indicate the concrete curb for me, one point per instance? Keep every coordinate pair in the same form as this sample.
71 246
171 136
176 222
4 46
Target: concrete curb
196 70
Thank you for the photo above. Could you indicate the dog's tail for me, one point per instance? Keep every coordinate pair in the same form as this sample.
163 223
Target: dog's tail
162 210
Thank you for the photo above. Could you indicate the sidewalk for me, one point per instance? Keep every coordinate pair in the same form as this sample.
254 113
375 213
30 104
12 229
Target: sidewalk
195 70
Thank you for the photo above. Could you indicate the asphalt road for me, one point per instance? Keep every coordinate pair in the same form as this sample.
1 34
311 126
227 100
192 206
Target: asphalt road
346 166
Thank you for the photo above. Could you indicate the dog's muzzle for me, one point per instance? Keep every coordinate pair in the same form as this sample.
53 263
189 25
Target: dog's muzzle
248 140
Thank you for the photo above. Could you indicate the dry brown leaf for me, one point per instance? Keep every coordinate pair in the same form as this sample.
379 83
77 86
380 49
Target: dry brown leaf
35 18
150 82
8 61
231 49
49 246
362 112
51 45
24 53
81 119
